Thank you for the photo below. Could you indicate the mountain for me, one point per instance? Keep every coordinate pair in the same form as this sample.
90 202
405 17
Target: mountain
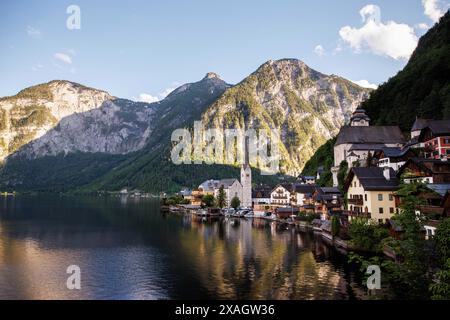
306 106
422 88
87 145
36 110
118 143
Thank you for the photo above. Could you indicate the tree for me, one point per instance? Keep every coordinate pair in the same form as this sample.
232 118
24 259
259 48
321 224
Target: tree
335 226
208 200
221 202
442 241
440 288
342 174
410 276
235 202
365 236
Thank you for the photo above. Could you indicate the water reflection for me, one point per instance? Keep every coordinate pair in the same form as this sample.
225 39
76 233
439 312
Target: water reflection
128 250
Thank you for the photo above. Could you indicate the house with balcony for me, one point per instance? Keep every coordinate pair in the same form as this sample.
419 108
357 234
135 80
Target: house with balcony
370 193
433 136
428 171
394 158
281 195
327 201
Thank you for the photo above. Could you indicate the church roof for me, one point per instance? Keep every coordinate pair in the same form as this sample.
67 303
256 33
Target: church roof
370 135
226 183
419 124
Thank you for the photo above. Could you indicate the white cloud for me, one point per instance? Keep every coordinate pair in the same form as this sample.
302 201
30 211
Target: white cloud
421 26
395 40
148 98
365 84
434 9
319 50
63 57
34 33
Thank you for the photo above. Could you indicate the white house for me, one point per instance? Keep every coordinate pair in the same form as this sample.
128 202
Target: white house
281 195
303 193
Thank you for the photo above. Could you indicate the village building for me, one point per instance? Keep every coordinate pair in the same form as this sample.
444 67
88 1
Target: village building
358 141
394 158
370 193
232 188
306 179
320 171
427 171
261 195
327 201
304 194
436 139
281 195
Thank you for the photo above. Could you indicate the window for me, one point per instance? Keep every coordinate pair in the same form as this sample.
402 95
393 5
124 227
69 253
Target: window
365 197
380 210
391 210
380 221
391 197
380 197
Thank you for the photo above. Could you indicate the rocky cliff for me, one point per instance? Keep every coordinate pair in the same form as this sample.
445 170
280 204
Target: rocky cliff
306 106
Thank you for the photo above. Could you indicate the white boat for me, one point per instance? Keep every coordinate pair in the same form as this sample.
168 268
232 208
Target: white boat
249 214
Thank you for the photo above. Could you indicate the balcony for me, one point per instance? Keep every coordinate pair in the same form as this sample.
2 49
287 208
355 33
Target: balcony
356 202
429 209
356 214
276 197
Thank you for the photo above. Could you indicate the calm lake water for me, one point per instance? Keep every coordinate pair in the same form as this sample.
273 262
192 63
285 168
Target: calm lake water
127 249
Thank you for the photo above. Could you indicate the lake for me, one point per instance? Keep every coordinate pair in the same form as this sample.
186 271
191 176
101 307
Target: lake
127 249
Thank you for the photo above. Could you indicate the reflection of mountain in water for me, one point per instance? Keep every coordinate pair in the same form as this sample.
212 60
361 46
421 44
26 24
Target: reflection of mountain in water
127 249
259 262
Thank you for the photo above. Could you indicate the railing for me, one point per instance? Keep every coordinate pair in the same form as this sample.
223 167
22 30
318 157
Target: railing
280 197
356 214
428 209
356 202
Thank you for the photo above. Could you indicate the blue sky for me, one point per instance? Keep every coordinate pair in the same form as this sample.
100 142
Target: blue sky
143 48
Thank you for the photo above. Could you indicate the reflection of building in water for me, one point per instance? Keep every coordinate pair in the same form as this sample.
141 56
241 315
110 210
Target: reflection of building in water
260 263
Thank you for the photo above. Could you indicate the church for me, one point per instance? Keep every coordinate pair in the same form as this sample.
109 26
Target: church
359 139
232 187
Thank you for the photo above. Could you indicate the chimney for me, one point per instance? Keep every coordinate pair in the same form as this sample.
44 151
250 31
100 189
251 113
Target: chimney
387 173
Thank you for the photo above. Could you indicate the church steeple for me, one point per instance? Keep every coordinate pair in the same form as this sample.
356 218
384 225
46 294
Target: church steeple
246 178
359 118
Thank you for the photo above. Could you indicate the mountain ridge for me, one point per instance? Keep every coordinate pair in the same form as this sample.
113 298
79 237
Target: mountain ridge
294 92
